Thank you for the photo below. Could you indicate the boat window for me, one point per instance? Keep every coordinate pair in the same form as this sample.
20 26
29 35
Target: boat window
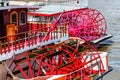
22 17
14 18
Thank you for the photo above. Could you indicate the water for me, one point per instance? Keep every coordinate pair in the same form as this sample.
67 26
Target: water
111 10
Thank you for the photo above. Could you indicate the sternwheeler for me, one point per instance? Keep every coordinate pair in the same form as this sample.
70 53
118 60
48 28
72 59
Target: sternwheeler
52 41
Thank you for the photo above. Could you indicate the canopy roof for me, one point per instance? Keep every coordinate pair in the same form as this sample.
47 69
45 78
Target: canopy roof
52 9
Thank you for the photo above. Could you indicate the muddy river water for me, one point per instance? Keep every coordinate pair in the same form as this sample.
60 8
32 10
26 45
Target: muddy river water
111 11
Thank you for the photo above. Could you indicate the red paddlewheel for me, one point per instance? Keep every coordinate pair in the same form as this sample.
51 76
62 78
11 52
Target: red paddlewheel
72 57
30 65
62 58
88 24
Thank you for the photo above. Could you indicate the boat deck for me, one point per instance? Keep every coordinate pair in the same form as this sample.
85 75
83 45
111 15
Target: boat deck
27 42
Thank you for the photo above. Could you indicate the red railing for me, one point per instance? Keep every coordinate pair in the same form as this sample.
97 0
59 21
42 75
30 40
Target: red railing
34 35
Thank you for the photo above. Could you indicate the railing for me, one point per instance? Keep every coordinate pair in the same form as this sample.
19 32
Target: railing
31 39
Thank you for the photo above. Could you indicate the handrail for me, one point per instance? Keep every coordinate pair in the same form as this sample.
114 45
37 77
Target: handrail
30 38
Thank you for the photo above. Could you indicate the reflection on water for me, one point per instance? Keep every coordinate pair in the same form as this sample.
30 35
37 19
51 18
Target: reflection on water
111 10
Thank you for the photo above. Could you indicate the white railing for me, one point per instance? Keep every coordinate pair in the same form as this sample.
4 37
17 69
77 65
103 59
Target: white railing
16 44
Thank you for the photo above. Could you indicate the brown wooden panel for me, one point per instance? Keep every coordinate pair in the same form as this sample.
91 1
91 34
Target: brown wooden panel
10 31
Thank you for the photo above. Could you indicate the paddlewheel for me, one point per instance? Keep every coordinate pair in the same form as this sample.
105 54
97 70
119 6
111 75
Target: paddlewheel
87 23
74 58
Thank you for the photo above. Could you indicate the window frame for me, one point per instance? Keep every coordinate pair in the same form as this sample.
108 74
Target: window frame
11 18
20 20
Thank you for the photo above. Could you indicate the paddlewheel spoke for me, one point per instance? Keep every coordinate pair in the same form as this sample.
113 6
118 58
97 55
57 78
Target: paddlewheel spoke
84 23
88 23
71 57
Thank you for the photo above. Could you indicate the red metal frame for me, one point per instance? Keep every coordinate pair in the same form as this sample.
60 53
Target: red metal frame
64 58
71 57
88 24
